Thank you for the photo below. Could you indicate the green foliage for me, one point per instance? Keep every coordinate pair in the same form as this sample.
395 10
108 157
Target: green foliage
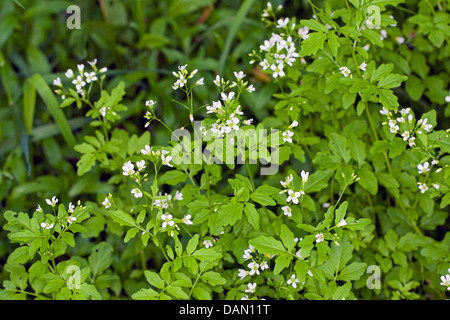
351 109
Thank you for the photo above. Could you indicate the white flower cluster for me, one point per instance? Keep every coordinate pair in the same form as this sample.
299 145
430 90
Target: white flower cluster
69 219
446 280
227 109
288 134
254 267
404 124
183 76
165 203
293 195
80 80
279 51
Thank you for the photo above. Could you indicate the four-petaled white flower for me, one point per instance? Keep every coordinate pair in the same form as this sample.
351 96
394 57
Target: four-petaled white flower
227 98
39 209
69 73
423 168
128 168
71 208
282 23
46 225
242 273
57 82
345 71
287 211
446 280
147 149
277 70
178 195
287 136
304 175
79 83
141 165
319 237
251 287
250 88
287 181
293 281
294 195
90 77
52 202
187 219
71 220
106 203
254 268
207 244
341 223
264 265
303 33
166 160
137 193
363 66
422 187
167 220
150 103
239 75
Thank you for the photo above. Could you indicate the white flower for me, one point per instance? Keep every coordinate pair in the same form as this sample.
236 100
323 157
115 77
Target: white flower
345 71
80 68
150 103
92 63
264 265
247 252
400 40
411 141
69 73
90 77
293 281
166 160
57 82
248 122
106 203
200 81
436 186
227 98
303 33
141 165
46 225
319 237
128 168
423 168
239 75
265 64
254 268
293 196
251 287
137 193
39 209
287 211
187 219
178 195
341 223
207 244
79 83
281 23
147 149
304 175
294 124
242 273
406 135
287 136
103 70
250 88
167 220
71 220
422 187
217 81
277 70
446 281
383 34
103 111
384 111
52 202
71 208
363 66
287 181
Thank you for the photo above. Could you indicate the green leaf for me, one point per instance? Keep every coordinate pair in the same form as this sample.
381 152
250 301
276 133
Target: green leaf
281 262
122 218
311 45
206 254
352 272
373 37
154 279
338 144
172 177
252 215
357 149
229 214
314 25
192 244
100 258
267 244
145 294
368 180
213 278
317 180
388 99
